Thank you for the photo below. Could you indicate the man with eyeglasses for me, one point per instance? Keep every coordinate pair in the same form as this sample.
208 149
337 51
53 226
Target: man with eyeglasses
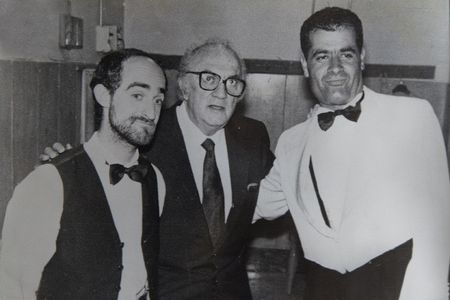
212 163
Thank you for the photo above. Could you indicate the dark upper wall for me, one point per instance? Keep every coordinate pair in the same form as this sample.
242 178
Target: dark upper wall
408 32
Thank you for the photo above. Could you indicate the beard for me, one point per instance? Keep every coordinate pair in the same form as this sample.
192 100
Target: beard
136 130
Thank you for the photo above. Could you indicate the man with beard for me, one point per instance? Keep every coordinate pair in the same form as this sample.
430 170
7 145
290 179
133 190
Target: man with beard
212 162
85 226
365 178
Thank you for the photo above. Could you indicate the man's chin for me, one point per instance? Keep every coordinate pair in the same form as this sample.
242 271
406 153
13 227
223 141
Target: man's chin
142 138
338 98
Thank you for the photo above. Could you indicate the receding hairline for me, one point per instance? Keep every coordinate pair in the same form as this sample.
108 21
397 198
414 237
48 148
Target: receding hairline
214 51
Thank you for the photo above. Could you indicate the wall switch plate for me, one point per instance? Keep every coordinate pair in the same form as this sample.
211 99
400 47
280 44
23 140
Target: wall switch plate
106 38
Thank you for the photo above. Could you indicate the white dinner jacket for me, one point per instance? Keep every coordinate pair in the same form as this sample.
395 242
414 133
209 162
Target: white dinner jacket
397 189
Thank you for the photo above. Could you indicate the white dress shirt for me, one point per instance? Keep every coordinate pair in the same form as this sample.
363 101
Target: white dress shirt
193 139
330 153
32 224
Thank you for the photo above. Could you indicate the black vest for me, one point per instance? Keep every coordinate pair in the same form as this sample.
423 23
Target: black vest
87 263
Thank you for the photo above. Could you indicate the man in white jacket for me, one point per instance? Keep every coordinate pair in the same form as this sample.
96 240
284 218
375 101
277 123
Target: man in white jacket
365 178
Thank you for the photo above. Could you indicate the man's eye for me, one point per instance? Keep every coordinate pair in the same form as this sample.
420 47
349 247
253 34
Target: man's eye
321 58
137 96
159 101
348 55
232 81
209 78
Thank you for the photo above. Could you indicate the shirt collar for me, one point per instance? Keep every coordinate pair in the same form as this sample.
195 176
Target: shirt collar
98 152
317 109
191 131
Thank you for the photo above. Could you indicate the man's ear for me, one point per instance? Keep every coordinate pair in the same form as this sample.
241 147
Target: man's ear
304 65
362 56
183 88
102 95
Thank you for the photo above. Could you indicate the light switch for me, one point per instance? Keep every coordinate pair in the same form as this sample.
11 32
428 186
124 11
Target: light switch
106 38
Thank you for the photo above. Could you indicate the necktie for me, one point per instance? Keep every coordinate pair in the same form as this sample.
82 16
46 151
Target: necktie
213 198
136 172
350 113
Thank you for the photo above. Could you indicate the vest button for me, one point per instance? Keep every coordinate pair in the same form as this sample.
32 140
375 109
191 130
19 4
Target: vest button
122 244
118 288
120 267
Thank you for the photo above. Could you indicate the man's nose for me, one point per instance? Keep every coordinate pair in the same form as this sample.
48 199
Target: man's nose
220 91
150 110
335 64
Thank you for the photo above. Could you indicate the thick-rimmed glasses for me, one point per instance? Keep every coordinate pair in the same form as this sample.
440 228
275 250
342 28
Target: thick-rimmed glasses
209 81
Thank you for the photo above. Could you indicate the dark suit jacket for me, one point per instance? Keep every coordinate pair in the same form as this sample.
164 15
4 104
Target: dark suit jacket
189 267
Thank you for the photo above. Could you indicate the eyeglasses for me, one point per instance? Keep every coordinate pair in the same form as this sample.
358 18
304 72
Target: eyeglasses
209 81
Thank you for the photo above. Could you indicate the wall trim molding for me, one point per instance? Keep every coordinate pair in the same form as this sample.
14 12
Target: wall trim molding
292 67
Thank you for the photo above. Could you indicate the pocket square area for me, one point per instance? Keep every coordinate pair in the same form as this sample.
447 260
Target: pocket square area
252 186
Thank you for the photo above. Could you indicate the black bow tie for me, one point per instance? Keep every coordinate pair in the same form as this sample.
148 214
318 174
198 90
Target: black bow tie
136 172
350 113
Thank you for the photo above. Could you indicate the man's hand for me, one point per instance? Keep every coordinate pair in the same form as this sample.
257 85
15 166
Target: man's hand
54 151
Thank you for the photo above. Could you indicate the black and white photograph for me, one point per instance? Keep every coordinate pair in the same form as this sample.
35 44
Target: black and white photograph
224 150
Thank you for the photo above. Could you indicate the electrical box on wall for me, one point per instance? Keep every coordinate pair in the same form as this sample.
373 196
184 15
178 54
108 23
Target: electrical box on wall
70 32
106 38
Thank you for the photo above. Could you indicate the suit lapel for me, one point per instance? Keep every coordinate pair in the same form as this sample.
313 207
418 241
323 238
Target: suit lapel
299 176
239 162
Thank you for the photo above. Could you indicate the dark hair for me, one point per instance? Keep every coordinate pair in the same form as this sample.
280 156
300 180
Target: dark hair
109 69
330 19
109 73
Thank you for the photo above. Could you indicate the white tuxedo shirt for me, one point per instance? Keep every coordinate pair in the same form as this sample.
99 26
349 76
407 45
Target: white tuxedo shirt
383 181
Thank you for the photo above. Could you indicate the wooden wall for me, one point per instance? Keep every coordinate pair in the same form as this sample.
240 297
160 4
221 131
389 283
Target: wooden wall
39 104
283 100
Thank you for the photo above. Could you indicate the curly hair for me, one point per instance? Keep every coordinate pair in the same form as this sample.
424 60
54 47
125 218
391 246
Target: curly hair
330 19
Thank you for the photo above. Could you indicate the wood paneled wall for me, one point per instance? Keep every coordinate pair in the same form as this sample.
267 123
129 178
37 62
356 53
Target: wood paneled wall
281 101
39 104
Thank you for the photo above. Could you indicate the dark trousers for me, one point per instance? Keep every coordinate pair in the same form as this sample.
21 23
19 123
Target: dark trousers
379 279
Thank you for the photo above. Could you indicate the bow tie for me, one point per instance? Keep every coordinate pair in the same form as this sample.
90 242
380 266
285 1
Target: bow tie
136 172
350 113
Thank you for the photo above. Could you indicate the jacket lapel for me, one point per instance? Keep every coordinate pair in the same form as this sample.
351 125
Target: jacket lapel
299 175
239 163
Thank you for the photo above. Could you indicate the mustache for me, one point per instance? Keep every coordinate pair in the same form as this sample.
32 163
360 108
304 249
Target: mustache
144 119
334 76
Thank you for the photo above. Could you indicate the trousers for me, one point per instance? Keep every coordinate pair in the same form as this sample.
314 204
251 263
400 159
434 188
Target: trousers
379 279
